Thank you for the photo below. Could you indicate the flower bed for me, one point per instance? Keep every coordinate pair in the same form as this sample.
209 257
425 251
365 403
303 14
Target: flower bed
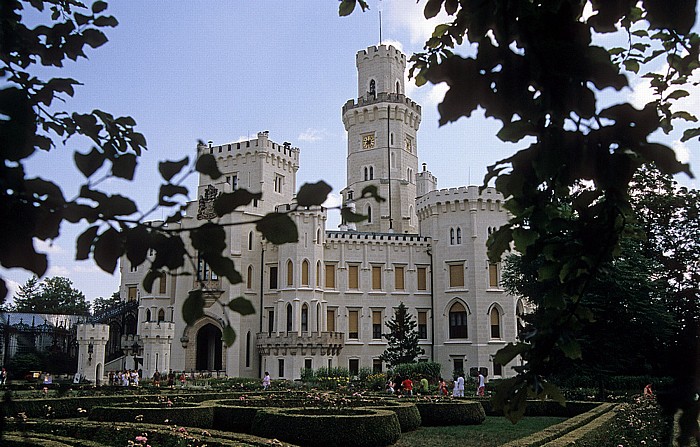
191 415
325 427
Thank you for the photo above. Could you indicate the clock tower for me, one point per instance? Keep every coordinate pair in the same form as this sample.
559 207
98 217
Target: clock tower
382 145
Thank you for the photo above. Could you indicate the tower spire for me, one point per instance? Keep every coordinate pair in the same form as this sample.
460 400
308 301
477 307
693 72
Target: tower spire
380 22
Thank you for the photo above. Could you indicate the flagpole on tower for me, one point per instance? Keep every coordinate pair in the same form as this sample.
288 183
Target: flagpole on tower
380 22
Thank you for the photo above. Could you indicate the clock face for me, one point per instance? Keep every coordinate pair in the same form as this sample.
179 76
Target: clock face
368 141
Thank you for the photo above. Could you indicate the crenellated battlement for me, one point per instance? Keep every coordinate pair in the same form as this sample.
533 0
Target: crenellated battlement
380 51
462 194
256 145
379 238
394 98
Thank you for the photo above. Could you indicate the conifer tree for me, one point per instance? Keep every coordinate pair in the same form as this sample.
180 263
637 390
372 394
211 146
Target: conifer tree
403 339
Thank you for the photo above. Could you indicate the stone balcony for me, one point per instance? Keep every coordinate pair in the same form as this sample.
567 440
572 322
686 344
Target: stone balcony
308 343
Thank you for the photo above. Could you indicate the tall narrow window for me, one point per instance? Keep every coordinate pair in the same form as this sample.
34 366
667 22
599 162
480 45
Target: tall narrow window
377 366
330 276
161 315
148 315
305 318
247 349
495 323
305 273
398 277
273 277
372 88
493 275
456 275
366 170
397 87
452 236
318 274
290 273
353 277
280 367
422 273
376 277
369 214
497 369
330 320
270 321
162 284
290 317
422 325
371 172
353 332
354 366
376 325
131 293
250 240
458 321
249 278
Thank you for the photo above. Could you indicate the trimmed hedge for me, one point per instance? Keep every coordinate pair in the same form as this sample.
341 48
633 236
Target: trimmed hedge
407 412
451 413
545 408
196 415
323 427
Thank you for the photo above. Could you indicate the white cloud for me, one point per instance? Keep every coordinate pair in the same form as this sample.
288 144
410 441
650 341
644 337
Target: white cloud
333 200
682 151
57 270
12 289
394 43
87 268
47 246
409 15
312 135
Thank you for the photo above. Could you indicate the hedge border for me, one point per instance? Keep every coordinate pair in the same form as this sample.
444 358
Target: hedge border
451 413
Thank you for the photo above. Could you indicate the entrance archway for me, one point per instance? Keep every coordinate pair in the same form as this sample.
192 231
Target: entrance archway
209 348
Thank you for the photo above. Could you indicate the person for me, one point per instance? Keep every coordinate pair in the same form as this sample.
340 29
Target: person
266 381
455 388
648 391
156 378
390 386
424 386
482 385
3 377
171 379
183 379
407 386
460 386
442 387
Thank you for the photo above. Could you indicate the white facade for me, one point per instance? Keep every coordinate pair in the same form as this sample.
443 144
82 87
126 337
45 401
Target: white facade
324 300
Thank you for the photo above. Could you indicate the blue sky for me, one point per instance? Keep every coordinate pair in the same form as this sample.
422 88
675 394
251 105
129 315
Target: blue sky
225 70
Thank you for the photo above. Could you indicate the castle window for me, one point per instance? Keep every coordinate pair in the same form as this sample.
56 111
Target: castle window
318 274
376 277
399 277
148 315
161 315
371 172
131 293
162 283
290 318
397 87
249 278
304 318
409 175
305 273
422 325
452 236
330 320
459 236
353 277
354 366
422 274
493 275
250 240
330 276
247 349
133 267
377 366
495 319
456 275
234 182
280 367
278 183
458 321
376 325
270 321
273 277
366 178
372 88
369 214
353 332
391 138
290 273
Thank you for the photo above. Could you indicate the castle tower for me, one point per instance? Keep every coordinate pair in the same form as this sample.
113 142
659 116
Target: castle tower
92 339
382 145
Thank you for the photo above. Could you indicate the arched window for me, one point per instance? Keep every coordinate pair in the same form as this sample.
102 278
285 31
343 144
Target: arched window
161 315
304 318
148 315
289 317
372 88
458 321
369 214
409 175
318 274
249 278
459 236
366 173
371 172
305 273
398 90
250 240
318 235
495 318
391 138
247 349
452 236
290 273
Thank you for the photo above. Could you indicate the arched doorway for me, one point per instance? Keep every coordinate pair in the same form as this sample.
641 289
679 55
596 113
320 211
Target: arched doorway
208 348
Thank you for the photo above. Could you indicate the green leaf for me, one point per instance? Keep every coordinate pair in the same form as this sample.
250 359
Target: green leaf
83 244
676 94
631 65
515 131
229 335
229 201
206 164
137 244
432 8
372 191
551 391
95 38
523 238
278 228
690 133
99 6
209 238
346 7
169 169
242 306
223 266
570 347
150 278
311 194
349 216
682 114
509 352
108 248
170 190
124 166
106 21
193 307
89 163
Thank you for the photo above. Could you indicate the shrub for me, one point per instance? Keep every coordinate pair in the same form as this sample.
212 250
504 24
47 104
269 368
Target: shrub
192 416
375 382
408 414
429 370
450 413
324 427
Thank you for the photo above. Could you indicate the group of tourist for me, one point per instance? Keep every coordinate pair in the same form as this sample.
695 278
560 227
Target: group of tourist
129 377
404 387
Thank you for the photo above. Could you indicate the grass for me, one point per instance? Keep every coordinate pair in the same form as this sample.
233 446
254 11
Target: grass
493 432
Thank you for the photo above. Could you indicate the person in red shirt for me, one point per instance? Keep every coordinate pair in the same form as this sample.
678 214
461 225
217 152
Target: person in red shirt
407 385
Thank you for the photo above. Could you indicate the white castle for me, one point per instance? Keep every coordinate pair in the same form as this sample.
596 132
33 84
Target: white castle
324 301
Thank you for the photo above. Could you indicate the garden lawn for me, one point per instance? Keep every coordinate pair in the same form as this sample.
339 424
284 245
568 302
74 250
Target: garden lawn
492 433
